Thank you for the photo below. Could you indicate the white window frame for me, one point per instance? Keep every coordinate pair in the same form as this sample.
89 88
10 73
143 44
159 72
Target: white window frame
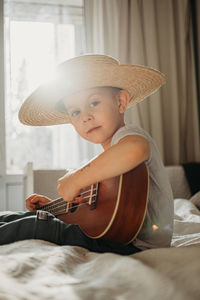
3 177
2 87
11 186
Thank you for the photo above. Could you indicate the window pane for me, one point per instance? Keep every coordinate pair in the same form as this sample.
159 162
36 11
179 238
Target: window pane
33 48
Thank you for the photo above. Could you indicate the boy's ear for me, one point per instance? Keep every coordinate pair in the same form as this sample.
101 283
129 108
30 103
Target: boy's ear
123 100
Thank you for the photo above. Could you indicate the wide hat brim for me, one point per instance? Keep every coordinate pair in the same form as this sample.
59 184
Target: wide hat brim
84 72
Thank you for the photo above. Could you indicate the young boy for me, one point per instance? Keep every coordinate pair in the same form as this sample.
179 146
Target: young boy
92 92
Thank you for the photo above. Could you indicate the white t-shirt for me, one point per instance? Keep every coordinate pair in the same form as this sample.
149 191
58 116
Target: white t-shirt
160 206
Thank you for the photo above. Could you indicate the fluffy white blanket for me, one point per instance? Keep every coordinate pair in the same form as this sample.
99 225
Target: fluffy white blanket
36 269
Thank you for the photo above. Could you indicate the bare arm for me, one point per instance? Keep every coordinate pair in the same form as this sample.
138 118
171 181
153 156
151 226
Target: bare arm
118 159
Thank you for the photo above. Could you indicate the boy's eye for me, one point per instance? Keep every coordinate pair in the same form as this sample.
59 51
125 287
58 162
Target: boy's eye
94 103
75 113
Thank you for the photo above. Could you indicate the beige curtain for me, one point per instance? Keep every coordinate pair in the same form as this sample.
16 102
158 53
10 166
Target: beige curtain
156 33
197 41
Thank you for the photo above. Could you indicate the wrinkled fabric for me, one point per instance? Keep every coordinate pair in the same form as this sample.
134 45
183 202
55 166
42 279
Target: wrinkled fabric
25 225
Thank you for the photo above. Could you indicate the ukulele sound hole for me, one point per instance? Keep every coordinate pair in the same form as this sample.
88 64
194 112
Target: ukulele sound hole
73 207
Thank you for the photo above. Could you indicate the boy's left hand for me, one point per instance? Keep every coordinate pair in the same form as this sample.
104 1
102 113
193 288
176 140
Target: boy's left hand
68 188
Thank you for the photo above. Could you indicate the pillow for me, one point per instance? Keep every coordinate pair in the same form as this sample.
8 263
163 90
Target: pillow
195 199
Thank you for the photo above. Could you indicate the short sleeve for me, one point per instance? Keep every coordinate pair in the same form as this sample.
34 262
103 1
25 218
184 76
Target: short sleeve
126 131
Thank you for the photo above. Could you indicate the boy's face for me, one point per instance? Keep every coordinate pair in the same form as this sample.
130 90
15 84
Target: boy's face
97 113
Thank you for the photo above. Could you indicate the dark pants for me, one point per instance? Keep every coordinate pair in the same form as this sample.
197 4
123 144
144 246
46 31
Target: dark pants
25 225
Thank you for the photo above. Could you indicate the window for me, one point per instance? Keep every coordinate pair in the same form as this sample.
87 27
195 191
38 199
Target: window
38 36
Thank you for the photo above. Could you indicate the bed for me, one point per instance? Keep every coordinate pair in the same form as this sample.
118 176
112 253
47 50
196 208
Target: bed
35 269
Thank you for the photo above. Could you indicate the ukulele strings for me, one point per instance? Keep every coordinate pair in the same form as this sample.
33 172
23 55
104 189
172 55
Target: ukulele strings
62 210
55 202
63 205
58 205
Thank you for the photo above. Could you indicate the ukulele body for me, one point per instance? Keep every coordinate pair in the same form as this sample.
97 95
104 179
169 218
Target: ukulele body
119 210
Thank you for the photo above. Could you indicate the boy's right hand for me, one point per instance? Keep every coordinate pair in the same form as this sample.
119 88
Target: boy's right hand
34 201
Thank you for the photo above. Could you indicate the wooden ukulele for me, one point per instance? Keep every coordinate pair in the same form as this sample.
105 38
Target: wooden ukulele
113 209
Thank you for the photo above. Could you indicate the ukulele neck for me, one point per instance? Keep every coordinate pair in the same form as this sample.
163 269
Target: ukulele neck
59 206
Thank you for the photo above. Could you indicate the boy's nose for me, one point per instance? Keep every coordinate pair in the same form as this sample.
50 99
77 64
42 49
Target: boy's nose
86 116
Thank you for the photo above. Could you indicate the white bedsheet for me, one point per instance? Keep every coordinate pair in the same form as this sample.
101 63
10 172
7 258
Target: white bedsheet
39 270
186 223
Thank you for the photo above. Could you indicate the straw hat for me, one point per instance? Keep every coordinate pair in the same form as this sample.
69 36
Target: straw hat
83 72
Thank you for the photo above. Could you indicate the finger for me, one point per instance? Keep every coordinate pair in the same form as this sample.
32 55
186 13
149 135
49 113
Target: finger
38 198
31 207
28 203
78 199
30 197
35 199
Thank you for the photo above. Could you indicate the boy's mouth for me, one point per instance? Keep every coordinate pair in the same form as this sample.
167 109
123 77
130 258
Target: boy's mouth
92 129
